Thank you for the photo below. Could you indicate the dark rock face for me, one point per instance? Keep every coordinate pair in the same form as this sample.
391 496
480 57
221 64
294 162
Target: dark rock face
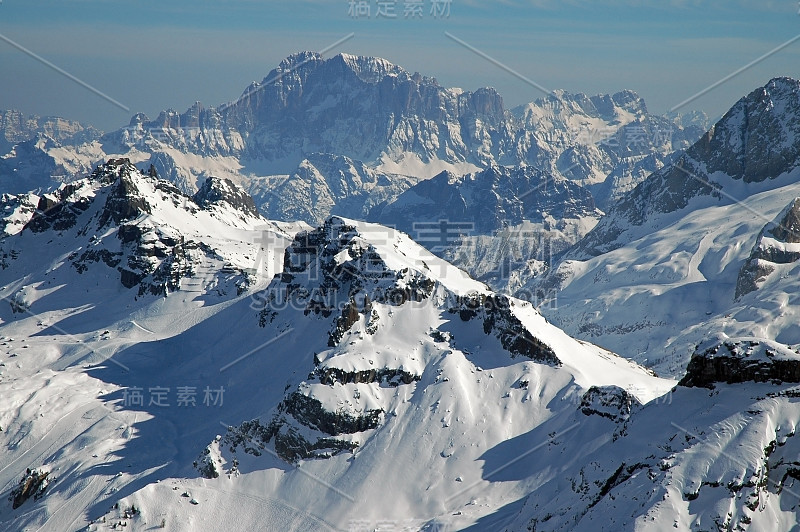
766 254
389 376
125 202
741 361
109 258
253 437
206 465
313 280
164 275
494 311
215 191
33 484
308 412
753 273
350 315
58 211
611 402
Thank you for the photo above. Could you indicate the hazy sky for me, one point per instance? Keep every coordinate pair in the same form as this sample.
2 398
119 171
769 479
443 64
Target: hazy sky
154 54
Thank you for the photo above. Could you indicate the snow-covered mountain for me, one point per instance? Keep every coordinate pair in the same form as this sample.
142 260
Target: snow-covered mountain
31 149
326 184
18 127
180 362
703 247
494 221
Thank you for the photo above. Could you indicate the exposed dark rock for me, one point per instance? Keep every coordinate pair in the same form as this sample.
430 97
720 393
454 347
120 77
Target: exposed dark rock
495 312
310 412
290 445
59 210
217 191
391 377
767 254
124 202
205 464
611 402
33 484
312 278
109 258
737 361
350 315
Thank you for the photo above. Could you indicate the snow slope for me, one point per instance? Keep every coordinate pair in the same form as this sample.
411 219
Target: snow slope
463 381
682 257
356 382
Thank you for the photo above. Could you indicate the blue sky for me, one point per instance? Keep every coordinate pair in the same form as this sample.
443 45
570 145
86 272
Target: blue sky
151 55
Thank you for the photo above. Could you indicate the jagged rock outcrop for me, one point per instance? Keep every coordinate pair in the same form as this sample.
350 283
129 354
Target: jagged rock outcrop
742 360
498 320
217 191
32 485
112 213
777 244
611 402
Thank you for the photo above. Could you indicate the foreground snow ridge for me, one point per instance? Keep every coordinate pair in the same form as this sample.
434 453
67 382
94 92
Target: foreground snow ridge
160 370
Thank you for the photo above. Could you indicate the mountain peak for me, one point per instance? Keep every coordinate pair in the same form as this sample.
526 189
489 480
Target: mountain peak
367 68
783 83
294 62
221 191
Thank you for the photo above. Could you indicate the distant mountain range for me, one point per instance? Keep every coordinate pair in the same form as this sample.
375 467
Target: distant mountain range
349 135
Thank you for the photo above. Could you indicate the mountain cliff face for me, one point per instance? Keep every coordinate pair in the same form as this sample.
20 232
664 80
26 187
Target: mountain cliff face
703 246
775 246
754 142
18 127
